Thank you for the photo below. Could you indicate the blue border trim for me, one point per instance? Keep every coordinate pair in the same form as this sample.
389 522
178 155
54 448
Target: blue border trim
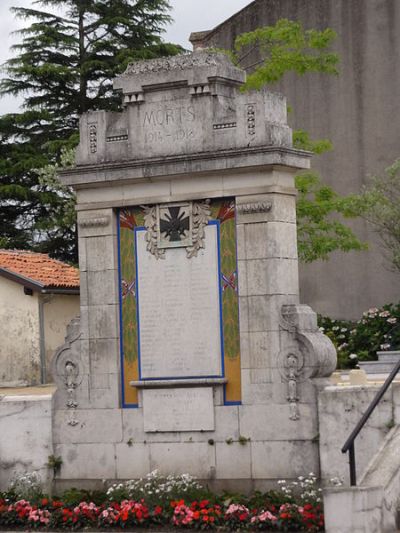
211 223
124 405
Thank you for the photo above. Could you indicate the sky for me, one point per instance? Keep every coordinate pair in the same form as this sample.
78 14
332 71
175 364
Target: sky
188 15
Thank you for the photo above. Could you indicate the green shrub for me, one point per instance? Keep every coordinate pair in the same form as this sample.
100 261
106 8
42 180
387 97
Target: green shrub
377 330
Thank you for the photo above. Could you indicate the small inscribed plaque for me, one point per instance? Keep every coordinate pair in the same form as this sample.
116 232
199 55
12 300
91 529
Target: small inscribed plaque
178 409
179 311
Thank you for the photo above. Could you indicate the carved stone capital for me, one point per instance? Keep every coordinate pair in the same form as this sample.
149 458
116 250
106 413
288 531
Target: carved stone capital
255 207
92 222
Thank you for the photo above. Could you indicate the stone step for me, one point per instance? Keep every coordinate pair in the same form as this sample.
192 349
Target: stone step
389 357
376 367
374 501
386 462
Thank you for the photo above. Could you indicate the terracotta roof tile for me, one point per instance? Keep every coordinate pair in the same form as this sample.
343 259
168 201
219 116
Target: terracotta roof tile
40 268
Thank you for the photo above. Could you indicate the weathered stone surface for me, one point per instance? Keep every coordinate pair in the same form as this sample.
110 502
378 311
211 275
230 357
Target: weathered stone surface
93 426
103 321
283 459
97 222
255 393
272 423
104 356
195 458
132 460
354 510
271 240
272 276
102 287
179 409
340 410
101 253
26 437
233 460
196 118
87 461
264 312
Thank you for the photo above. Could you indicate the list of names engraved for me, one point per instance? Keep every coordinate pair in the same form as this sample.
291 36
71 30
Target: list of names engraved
179 311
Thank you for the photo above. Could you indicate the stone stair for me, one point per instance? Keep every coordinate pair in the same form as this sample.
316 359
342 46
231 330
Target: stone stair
384 364
373 506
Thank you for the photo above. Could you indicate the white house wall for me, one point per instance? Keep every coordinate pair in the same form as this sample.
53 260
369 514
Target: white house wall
19 334
59 310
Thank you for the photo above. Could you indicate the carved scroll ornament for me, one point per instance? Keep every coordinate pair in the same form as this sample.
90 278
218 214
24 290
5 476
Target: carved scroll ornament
310 353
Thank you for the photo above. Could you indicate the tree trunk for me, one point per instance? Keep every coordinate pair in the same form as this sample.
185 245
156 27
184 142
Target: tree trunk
82 57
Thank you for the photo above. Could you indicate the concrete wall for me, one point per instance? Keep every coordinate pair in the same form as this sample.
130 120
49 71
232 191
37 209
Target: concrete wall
340 409
356 111
19 334
59 310
26 437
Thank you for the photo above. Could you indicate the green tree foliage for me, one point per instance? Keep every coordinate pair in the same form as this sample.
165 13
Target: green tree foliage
286 47
280 49
380 205
319 233
63 66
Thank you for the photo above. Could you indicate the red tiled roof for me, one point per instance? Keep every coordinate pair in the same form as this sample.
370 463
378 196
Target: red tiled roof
40 268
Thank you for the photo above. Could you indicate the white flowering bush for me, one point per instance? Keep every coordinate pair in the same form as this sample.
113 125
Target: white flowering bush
304 489
157 488
27 486
377 330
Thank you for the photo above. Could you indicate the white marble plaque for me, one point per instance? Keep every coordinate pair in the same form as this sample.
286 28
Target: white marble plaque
179 311
178 409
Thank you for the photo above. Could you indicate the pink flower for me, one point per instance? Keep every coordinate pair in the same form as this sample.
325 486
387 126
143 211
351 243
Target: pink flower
266 515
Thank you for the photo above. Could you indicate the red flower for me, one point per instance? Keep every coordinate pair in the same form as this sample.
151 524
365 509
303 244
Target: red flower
157 510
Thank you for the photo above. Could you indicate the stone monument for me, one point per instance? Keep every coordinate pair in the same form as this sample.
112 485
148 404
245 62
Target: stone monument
192 353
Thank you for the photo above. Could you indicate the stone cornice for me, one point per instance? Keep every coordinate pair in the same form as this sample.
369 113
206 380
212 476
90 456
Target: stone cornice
148 170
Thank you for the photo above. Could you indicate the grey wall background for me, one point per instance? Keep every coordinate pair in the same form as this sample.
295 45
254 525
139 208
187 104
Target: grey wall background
358 112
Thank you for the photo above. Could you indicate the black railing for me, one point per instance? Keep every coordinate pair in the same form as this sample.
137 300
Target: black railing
349 444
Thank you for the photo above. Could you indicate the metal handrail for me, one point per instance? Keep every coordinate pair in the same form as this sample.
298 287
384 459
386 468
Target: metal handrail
349 444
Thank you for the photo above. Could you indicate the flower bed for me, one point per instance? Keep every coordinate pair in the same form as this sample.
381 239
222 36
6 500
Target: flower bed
278 510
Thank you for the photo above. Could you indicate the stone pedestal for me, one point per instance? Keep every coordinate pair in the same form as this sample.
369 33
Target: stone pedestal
193 352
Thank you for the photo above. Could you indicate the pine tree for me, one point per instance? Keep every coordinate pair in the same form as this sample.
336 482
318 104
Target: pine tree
64 66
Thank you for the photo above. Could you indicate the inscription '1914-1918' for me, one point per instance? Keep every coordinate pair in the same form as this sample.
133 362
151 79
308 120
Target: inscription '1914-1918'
169 123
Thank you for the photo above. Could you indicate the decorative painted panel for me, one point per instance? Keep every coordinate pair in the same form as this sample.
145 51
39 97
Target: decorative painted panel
132 220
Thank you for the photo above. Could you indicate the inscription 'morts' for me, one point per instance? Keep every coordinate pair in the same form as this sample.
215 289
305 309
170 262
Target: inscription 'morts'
169 116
